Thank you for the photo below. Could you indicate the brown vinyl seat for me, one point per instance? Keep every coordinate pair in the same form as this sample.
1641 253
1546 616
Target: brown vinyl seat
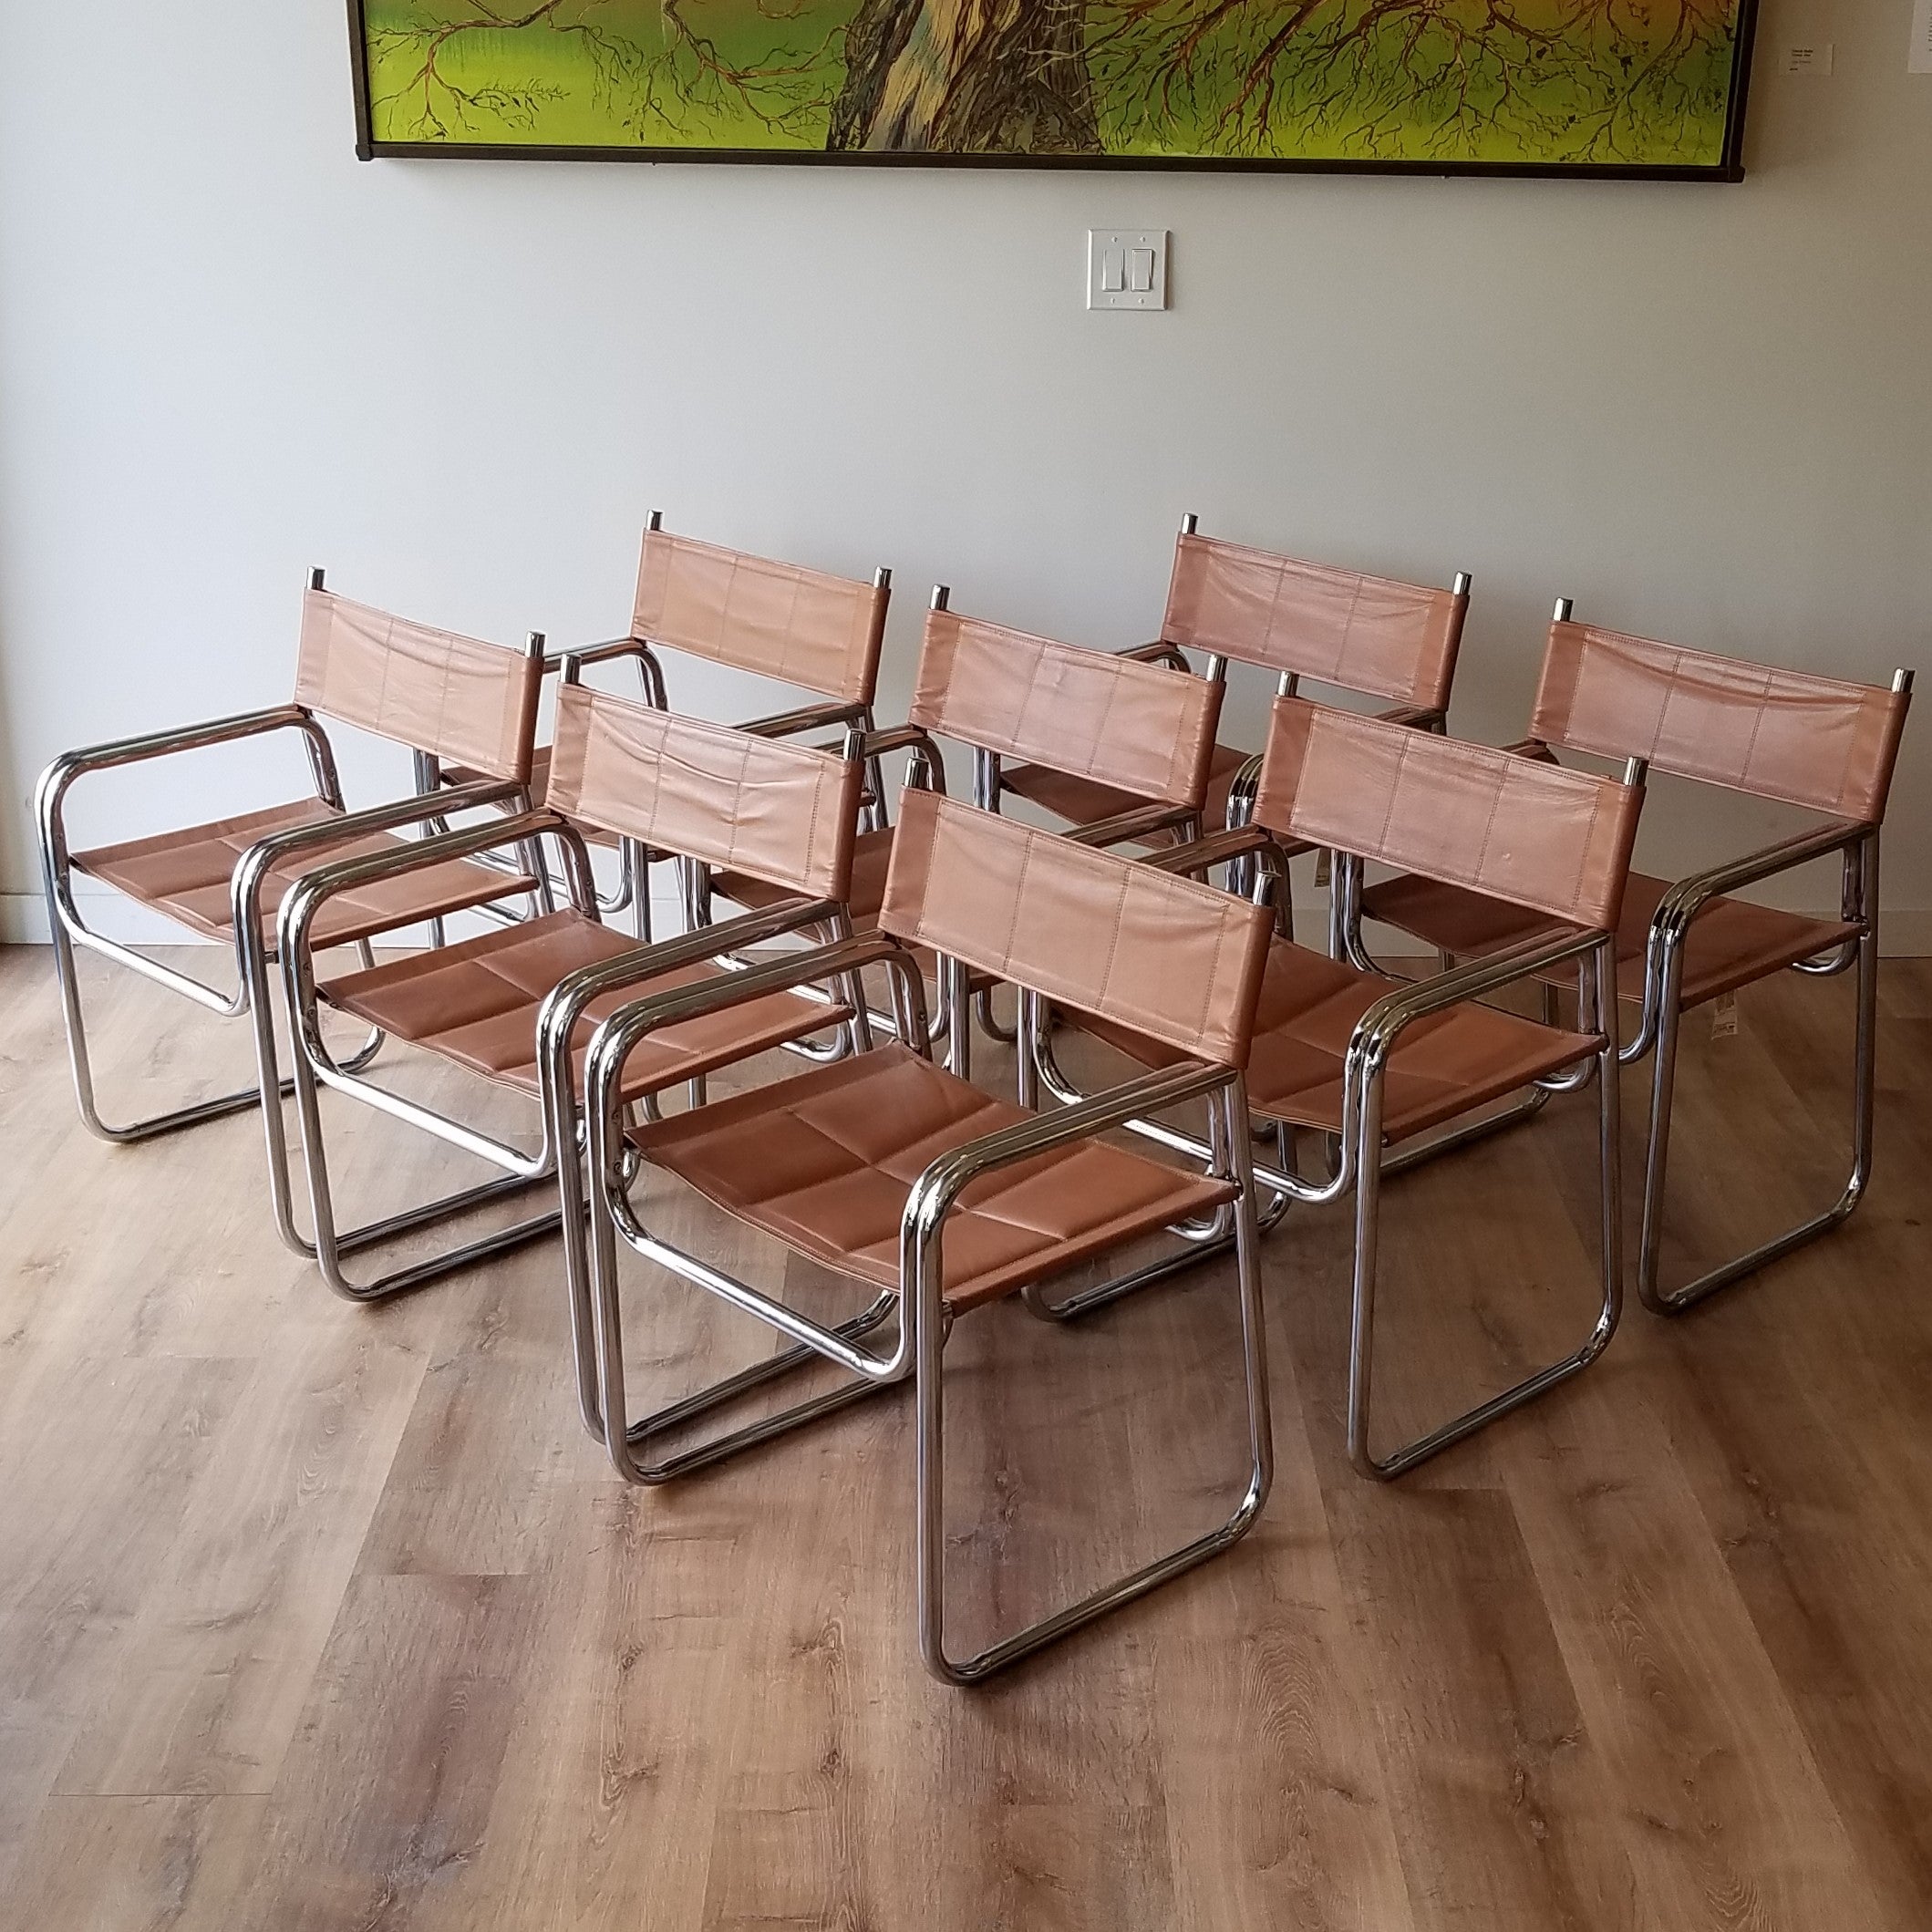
447 698
1822 744
1441 1068
1085 801
477 1002
1087 715
1732 944
900 1175
871 857
1372 1061
1373 636
785 813
828 1168
189 874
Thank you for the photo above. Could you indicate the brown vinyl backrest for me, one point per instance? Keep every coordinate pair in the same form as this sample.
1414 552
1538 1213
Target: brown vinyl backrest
783 813
1515 828
1371 634
468 702
1144 728
799 626
1165 956
1820 742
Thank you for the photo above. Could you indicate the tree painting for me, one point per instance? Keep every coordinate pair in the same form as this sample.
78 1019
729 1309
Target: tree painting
1615 84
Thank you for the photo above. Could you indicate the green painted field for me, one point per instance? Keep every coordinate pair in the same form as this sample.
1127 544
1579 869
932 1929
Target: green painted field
1618 82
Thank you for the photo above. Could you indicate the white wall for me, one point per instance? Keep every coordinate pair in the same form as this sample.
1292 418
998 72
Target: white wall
228 350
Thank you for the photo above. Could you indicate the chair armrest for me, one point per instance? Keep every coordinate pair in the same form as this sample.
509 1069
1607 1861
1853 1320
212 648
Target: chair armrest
616 1038
806 717
1688 897
600 652
1200 855
185 738
566 1002
934 1192
71 765
252 868
915 738
1125 826
898 737
1158 652
1376 1030
310 892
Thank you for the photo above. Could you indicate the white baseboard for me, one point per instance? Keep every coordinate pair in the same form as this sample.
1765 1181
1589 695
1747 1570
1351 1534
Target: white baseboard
1906 932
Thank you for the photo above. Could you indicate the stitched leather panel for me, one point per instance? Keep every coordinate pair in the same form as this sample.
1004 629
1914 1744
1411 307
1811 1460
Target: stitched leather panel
477 1003
1085 802
188 874
1731 943
783 811
824 1162
800 626
1516 828
1371 634
1165 954
1442 1067
1813 741
1145 728
468 702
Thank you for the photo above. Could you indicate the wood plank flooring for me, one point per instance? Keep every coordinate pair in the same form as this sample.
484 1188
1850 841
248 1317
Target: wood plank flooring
320 1617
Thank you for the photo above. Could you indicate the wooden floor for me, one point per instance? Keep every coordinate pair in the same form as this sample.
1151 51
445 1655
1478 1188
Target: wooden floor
313 1616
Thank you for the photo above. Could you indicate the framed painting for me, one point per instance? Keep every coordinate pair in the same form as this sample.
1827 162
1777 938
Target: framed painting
1606 87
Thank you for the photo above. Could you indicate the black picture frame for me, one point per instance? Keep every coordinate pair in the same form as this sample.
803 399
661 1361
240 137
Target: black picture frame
1729 168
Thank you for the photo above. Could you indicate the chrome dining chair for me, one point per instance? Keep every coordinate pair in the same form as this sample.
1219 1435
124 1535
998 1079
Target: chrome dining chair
1372 637
1007 695
1823 744
1375 1064
888 1170
443 695
782 623
787 811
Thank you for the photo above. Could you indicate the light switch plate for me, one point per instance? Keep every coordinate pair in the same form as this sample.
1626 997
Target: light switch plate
1127 268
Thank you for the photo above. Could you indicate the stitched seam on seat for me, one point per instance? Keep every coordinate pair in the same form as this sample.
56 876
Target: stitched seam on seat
1114 937
1340 660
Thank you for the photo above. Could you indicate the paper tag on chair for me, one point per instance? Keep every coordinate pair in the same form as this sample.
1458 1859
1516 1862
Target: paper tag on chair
1724 1016
1324 863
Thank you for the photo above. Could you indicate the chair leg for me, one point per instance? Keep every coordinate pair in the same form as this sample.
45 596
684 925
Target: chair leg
172 1120
331 1247
930 1342
274 1128
1663 1081
988 1020
1367 1201
81 1062
590 1250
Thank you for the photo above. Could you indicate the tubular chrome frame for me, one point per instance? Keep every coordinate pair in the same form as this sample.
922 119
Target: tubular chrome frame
1361 1160
1663 1020
1661 1013
1287 683
924 1320
251 997
315 1066
831 713
925 770
956 998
